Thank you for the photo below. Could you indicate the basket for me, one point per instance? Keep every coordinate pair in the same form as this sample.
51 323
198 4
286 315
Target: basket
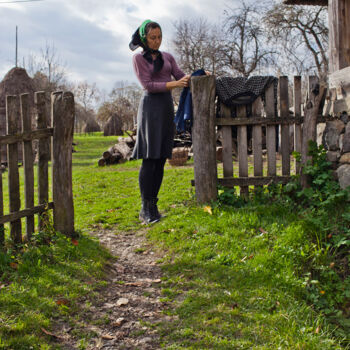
179 156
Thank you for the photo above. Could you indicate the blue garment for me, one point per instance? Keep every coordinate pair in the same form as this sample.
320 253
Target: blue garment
184 111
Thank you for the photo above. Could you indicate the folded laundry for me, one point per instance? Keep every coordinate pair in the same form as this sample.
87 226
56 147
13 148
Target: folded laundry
238 91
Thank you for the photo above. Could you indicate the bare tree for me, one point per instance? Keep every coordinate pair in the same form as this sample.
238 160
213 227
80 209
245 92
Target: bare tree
245 49
302 33
47 69
198 45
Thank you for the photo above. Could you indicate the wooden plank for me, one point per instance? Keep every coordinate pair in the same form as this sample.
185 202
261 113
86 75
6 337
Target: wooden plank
253 181
297 113
270 131
257 140
284 112
28 164
26 136
339 34
63 112
2 228
267 121
258 121
43 156
12 120
226 143
25 212
242 150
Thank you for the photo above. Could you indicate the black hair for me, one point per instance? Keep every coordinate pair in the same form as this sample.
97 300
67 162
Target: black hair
152 25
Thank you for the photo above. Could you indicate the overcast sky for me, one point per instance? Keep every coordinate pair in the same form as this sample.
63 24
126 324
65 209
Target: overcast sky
91 36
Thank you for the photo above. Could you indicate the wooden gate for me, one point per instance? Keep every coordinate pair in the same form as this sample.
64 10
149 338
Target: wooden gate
61 135
205 124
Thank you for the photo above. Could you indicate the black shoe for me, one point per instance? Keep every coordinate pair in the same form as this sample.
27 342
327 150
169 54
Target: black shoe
154 208
147 214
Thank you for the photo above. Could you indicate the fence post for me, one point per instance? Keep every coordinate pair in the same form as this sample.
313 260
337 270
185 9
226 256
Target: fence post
28 163
203 138
43 156
12 119
62 109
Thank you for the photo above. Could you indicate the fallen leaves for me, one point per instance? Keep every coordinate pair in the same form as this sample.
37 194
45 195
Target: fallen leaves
62 301
119 322
14 265
207 209
51 334
122 302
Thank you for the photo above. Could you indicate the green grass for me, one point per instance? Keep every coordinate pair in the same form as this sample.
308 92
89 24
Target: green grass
236 279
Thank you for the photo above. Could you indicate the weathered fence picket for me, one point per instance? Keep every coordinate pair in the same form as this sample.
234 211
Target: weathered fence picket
297 113
17 109
12 112
28 163
43 156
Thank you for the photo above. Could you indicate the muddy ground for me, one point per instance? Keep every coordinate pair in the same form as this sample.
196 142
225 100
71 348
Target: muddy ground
122 315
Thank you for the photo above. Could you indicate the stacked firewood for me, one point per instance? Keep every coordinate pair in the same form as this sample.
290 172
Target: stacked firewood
118 153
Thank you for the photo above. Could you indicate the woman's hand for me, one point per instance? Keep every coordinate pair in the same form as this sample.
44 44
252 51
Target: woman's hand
181 83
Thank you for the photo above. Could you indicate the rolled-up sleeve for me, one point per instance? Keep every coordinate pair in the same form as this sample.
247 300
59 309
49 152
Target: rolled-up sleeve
176 72
143 74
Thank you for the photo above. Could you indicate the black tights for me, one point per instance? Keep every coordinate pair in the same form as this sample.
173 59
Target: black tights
150 177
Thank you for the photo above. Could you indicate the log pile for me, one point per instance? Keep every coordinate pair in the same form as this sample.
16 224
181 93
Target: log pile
118 153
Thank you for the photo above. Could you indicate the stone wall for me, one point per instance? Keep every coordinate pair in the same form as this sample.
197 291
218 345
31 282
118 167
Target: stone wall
335 137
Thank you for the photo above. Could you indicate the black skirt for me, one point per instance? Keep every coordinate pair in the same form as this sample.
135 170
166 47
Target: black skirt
155 126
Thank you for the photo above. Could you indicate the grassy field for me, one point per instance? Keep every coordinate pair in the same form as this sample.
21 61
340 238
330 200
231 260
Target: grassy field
235 276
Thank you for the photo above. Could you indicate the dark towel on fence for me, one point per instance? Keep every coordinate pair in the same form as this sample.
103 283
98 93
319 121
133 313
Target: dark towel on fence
184 111
238 91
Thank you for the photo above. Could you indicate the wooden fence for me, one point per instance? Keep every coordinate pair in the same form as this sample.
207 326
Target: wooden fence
60 135
205 125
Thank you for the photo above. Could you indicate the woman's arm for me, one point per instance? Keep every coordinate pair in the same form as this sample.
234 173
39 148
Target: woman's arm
181 79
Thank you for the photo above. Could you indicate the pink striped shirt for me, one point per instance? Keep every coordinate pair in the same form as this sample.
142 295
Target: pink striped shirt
156 82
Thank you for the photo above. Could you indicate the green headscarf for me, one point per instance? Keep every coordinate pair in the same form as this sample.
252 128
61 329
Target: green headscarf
142 31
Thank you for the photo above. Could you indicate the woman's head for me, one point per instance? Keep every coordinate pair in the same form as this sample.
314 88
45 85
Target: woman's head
148 35
151 34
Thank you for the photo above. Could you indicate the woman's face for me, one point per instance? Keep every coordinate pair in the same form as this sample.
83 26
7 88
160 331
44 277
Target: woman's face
154 38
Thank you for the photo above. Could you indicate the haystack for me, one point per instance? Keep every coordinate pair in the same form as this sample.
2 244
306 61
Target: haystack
91 126
15 82
113 126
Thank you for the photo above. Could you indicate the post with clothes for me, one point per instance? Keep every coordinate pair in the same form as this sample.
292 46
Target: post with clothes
203 138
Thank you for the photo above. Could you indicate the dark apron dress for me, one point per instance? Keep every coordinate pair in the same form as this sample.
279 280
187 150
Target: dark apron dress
155 126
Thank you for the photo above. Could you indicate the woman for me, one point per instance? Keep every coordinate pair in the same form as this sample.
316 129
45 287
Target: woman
155 118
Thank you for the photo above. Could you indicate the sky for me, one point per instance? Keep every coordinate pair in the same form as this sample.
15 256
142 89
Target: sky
91 37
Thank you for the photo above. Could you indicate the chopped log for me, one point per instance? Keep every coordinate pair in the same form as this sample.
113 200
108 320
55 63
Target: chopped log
118 153
101 162
108 154
123 148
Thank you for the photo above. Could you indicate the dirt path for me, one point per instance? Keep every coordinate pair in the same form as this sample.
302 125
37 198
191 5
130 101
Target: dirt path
122 315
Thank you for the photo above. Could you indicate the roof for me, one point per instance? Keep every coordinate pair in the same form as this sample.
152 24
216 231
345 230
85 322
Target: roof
306 2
